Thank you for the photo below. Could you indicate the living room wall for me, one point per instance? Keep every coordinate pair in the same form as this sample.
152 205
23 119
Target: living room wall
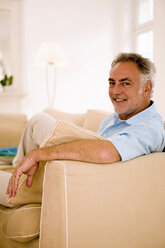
91 32
159 54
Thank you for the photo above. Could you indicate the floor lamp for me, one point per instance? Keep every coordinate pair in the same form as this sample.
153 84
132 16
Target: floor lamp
52 56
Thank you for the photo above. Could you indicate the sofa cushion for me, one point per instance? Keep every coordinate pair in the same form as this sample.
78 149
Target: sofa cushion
77 119
62 132
11 127
28 226
93 119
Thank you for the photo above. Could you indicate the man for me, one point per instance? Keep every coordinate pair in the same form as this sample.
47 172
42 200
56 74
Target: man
135 128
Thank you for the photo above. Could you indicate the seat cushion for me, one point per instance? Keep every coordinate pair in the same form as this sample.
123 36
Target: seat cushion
20 224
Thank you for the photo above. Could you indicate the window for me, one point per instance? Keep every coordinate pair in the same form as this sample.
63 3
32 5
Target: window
144 28
144 11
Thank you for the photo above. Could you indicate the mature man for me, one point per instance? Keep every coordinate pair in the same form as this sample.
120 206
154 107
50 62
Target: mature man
133 130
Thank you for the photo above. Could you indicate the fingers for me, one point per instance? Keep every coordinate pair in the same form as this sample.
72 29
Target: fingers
31 174
10 189
27 166
13 183
14 180
29 181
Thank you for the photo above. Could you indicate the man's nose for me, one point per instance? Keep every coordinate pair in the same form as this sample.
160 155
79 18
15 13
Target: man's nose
117 89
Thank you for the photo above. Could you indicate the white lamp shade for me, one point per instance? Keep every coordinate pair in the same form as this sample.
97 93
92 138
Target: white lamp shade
50 53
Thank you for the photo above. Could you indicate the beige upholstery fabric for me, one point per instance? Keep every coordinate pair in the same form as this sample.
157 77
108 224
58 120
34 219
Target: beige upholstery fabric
93 119
8 243
117 205
63 132
77 119
11 127
8 168
85 205
20 224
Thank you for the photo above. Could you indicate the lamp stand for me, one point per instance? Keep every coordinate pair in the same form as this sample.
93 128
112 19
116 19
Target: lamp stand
51 83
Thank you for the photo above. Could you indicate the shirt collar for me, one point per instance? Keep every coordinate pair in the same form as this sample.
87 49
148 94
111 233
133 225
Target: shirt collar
149 112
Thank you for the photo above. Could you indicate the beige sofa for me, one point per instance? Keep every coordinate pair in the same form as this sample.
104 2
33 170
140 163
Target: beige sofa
82 205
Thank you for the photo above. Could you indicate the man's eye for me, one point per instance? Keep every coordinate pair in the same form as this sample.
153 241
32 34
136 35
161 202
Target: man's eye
111 83
126 83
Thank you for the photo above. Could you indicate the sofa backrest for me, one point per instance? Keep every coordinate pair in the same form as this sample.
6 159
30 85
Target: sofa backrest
90 120
93 119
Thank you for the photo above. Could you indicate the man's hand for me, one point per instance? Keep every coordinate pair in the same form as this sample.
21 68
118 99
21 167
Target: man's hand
28 166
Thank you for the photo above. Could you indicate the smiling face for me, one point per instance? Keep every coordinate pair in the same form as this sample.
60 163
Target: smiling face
126 92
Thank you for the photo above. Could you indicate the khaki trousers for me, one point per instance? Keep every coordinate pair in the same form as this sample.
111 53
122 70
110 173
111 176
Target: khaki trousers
34 133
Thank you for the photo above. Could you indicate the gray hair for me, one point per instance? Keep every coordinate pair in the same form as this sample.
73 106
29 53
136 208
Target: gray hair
146 68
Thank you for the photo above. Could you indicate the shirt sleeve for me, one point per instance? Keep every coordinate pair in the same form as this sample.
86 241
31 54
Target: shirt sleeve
138 140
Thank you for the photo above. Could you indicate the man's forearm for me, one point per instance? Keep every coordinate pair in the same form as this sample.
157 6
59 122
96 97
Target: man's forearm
94 151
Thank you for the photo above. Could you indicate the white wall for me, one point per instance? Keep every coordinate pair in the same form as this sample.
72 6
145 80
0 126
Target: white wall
159 54
91 32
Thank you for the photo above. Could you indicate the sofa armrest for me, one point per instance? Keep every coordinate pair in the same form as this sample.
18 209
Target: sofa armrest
114 205
11 128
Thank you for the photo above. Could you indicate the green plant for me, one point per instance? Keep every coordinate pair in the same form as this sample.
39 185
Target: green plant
6 80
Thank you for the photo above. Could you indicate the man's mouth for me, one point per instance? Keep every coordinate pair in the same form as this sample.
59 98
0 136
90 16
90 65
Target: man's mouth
119 99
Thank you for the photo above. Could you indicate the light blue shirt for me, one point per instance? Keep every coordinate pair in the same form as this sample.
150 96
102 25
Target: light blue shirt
141 134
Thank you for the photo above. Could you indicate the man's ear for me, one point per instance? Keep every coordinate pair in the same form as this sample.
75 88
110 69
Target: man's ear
147 88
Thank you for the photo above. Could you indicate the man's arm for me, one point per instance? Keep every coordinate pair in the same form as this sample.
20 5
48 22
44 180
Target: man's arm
94 151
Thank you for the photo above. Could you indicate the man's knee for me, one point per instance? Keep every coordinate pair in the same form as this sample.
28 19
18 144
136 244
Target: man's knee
41 119
40 125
